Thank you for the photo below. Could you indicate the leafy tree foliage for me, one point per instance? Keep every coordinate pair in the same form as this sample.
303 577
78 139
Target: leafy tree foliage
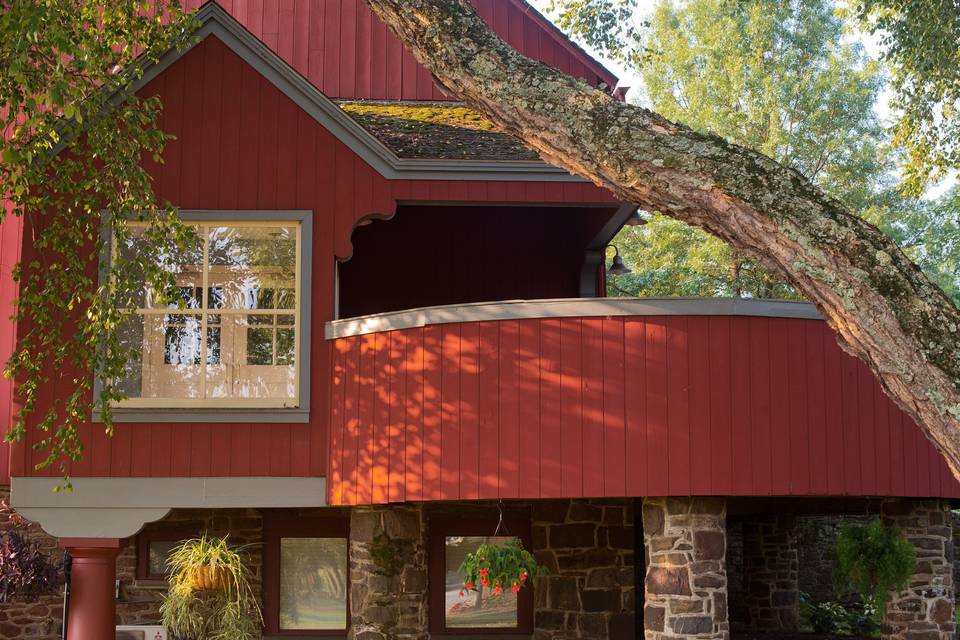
921 40
778 76
771 75
74 138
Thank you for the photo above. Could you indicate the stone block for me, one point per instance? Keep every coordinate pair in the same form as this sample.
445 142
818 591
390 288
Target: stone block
597 600
572 535
563 593
606 577
709 545
585 559
653 519
620 537
583 512
592 625
668 581
364 525
622 626
549 620
692 625
550 510
653 618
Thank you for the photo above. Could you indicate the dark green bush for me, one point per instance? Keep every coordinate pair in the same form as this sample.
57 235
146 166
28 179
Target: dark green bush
872 561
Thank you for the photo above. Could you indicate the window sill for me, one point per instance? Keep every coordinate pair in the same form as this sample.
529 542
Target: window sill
122 415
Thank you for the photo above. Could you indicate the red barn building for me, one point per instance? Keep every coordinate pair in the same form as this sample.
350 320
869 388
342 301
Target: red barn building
396 333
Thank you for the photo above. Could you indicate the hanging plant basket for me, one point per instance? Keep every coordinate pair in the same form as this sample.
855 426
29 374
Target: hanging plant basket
500 567
210 597
208 578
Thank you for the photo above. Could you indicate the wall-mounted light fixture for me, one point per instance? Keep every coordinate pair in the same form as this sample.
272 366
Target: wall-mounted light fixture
617 268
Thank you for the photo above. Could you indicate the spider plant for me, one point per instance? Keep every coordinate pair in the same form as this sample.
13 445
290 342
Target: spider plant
210 597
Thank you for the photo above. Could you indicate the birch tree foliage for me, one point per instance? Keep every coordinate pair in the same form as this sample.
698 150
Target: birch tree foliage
74 140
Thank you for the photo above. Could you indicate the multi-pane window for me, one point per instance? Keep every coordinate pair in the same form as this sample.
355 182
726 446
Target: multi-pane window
229 332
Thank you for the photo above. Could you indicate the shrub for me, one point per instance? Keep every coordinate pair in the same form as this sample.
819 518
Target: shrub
872 561
25 570
837 618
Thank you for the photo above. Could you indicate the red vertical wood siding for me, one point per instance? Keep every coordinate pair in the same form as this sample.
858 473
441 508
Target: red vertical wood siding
665 405
347 52
10 240
286 161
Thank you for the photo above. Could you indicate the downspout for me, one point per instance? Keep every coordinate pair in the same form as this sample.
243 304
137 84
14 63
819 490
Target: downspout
67 563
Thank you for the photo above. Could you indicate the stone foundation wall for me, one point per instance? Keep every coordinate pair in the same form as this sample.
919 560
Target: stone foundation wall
686 580
37 618
588 545
388 574
925 610
770 567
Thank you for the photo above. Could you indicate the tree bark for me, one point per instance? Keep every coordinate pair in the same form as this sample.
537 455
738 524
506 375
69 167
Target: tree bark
881 305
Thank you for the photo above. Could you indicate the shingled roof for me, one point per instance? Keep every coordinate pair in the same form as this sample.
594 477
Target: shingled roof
436 130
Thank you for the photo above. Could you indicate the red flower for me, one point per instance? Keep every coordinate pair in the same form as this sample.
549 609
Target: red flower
469 586
461 593
483 581
497 589
516 587
484 572
523 576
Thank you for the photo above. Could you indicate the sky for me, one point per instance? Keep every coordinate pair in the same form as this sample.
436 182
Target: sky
871 45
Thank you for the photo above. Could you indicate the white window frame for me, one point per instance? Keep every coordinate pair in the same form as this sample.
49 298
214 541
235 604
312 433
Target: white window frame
237 409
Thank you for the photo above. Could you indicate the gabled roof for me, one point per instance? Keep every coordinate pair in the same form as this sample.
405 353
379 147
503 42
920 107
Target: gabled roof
216 22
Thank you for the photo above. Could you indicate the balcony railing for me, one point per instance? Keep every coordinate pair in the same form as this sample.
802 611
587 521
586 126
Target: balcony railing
613 397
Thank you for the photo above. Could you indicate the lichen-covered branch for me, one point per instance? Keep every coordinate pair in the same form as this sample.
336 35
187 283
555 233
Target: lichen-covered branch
882 306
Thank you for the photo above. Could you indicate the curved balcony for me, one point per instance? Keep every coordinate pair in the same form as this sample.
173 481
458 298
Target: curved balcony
613 397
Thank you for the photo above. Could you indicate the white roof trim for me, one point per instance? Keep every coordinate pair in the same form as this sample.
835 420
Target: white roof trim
568 308
217 22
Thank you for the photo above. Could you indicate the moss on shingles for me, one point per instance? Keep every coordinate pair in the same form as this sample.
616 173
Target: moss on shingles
436 130
421 114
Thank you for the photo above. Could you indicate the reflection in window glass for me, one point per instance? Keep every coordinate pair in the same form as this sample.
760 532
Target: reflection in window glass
229 329
313 583
158 552
475 609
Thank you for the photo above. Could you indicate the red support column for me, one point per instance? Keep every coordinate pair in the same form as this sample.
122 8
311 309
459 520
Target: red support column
93 609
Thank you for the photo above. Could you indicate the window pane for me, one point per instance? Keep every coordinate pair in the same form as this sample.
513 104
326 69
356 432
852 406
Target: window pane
475 609
169 363
313 583
250 263
259 346
159 551
285 346
185 265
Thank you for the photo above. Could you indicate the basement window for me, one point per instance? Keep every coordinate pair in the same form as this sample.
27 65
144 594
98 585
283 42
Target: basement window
475 613
306 576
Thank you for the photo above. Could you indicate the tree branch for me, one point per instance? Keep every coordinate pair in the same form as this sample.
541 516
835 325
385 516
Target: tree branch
881 305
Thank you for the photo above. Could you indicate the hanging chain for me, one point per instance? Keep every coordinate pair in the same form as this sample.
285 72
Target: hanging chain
500 522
